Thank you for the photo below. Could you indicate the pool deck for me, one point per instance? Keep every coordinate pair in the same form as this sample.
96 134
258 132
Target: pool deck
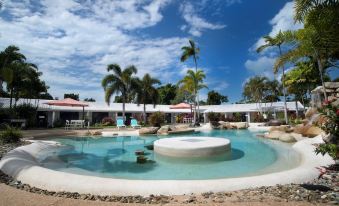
12 196
22 165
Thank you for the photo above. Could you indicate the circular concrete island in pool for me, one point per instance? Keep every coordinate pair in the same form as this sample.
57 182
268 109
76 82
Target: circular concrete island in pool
192 146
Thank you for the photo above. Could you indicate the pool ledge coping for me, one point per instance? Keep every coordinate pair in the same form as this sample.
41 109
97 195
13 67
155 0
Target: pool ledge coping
21 164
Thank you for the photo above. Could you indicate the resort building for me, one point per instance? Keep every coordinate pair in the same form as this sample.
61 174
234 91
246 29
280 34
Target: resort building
47 115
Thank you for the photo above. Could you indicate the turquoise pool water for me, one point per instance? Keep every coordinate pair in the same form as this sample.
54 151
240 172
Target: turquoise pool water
115 157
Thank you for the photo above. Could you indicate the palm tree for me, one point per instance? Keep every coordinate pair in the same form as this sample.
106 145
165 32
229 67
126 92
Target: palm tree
10 55
120 82
193 82
147 93
277 41
254 90
17 77
191 51
308 43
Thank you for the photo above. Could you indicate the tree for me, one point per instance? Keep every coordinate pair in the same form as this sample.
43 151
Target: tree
147 93
215 98
7 57
277 41
192 83
191 51
167 93
89 100
46 95
183 96
120 82
72 96
19 81
260 89
318 39
302 79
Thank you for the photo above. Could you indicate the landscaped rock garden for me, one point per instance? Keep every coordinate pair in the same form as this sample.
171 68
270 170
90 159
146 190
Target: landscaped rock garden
166 130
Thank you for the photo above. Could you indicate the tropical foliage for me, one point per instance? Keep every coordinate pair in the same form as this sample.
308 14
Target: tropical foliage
156 119
89 99
121 82
260 89
330 125
167 93
147 93
192 83
215 98
72 96
187 52
277 41
21 78
9 134
318 40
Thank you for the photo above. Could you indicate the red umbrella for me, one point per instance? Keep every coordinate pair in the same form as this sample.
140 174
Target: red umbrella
181 106
69 102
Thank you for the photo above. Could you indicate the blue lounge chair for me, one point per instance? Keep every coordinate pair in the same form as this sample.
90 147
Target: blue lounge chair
120 123
134 124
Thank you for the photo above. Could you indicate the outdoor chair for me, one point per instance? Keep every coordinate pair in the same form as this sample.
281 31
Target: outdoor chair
134 124
67 125
120 123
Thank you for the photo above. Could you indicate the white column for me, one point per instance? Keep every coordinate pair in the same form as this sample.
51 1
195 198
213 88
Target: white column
205 117
172 118
50 119
248 116
90 117
53 118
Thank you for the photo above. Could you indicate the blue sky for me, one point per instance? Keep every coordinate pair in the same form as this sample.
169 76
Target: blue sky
73 41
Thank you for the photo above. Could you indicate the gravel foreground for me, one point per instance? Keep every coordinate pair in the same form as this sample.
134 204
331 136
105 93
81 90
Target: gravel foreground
322 191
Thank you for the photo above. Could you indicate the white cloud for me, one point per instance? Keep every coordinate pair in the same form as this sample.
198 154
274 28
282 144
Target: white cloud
261 66
72 43
195 24
282 21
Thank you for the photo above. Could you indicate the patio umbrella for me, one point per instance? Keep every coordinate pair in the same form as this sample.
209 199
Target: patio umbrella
70 103
181 106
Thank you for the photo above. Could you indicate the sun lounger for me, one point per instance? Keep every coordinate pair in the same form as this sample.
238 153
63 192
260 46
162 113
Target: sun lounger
120 123
134 124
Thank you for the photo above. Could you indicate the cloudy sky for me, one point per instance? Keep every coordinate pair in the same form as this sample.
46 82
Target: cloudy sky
72 41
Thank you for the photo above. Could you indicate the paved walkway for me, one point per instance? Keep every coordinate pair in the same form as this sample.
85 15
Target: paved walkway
10 196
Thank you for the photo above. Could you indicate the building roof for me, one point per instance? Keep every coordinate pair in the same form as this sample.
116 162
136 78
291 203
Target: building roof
117 107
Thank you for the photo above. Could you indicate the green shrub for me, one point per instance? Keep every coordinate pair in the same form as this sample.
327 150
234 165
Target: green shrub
213 117
59 123
330 125
10 135
26 111
107 121
157 119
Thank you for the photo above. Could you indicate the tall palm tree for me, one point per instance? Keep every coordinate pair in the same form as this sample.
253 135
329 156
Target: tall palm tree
10 55
193 82
308 43
277 41
17 75
120 82
147 93
254 90
191 51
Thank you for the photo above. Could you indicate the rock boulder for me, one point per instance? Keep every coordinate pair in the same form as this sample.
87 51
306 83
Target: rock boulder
148 130
164 130
239 125
287 137
274 134
312 131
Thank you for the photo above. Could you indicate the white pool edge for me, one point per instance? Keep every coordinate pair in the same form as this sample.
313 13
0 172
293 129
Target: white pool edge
21 164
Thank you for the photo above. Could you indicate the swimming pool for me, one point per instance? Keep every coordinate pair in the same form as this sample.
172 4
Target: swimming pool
115 157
